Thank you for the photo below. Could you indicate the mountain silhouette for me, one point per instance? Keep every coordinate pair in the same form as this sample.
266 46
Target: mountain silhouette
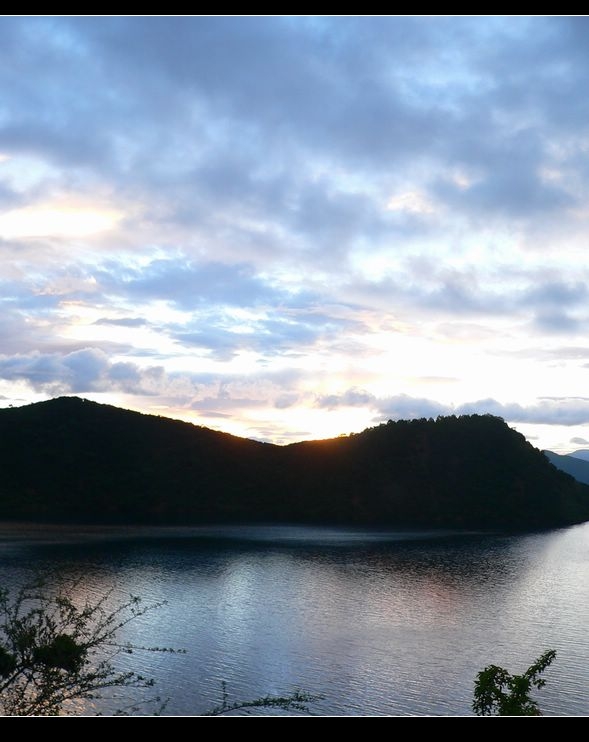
69 459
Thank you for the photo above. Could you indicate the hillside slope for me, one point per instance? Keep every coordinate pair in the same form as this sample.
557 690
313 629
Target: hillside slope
70 459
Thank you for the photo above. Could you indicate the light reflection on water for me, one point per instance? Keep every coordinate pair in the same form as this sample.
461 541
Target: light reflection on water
377 622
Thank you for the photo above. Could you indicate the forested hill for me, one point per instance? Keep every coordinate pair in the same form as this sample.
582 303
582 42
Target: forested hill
70 459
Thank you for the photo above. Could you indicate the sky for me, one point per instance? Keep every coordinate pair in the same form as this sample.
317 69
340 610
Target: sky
291 227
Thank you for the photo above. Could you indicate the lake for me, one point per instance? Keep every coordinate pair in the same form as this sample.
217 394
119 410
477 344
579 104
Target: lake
376 622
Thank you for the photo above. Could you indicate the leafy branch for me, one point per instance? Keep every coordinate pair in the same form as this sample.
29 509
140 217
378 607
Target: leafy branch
500 693
54 652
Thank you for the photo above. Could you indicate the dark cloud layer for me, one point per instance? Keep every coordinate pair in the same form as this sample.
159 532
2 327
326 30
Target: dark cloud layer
186 284
558 411
122 322
86 370
152 100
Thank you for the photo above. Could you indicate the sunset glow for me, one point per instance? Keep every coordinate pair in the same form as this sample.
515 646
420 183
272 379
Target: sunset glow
47 221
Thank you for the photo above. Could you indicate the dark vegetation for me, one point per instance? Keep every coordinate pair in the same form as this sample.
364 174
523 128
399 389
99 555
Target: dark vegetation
54 653
70 459
499 693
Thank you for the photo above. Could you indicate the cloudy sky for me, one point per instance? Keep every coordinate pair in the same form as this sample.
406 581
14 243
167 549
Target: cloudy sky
291 228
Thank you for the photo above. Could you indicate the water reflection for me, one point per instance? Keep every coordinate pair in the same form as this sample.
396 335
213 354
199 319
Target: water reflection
376 622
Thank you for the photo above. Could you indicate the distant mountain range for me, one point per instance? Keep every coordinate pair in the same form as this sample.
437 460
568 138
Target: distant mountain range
576 464
73 460
582 453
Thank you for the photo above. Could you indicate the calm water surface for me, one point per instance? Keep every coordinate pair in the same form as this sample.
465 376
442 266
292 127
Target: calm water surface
378 623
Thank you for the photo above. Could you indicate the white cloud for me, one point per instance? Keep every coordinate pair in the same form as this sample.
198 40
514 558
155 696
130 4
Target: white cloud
250 196
412 202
